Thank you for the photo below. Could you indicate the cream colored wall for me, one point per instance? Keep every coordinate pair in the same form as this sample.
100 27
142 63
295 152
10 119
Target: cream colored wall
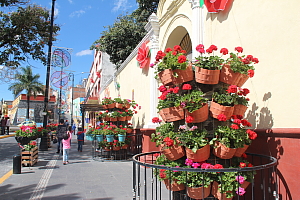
134 82
270 32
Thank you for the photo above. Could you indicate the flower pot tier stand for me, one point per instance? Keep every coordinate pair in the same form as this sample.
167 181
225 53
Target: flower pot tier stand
29 158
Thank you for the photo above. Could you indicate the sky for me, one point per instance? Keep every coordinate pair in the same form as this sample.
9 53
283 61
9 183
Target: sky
82 22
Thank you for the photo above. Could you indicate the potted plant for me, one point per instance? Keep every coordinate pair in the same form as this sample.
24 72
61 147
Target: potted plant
207 68
169 104
196 143
89 134
167 139
121 132
222 103
240 100
238 68
104 115
119 102
230 138
25 134
97 132
195 105
107 102
173 179
172 66
30 146
109 131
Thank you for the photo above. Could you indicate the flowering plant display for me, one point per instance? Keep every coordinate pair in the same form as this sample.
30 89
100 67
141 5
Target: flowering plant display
108 129
26 131
30 145
241 63
121 131
193 99
210 62
163 174
224 97
199 179
165 136
118 113
130 112
170 59
103 114
239 94
192 138
107 100
169 97
51 126
235 135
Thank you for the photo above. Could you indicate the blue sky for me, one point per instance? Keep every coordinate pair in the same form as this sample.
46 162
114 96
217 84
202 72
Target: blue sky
81 23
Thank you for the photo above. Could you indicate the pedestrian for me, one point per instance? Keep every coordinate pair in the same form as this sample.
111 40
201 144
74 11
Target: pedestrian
74 129
7 125
61 130
80 139
66 141
67 123
3 124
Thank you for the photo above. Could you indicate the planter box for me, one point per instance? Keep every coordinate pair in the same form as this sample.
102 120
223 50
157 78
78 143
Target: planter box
29 158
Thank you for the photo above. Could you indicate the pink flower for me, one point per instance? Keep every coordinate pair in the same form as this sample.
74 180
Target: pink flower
207 166
240 191
195 165
188 162
240 179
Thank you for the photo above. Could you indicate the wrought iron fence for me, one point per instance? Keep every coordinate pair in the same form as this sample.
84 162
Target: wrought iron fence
147 186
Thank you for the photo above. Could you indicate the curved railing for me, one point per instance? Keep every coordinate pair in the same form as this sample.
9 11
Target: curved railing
147 186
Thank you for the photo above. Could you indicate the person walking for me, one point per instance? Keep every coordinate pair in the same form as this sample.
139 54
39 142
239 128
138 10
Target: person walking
66 141
7 125
60 131
74 129
80 139
3 124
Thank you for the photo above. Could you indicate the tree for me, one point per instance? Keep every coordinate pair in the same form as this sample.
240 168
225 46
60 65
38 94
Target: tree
12 2
24 34
119 40
29 82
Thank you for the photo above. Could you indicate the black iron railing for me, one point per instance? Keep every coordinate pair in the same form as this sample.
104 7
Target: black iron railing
147 186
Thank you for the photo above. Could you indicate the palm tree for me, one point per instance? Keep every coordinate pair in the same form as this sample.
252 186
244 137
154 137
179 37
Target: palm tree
29 82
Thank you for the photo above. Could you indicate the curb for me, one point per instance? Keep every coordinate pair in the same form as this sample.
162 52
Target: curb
5 136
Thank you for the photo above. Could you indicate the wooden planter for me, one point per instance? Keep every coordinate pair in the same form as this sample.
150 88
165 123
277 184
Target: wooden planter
29 158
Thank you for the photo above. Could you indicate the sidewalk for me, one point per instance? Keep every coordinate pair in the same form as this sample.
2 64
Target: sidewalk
82 178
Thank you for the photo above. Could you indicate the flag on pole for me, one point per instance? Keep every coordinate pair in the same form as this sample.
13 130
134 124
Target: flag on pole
201 3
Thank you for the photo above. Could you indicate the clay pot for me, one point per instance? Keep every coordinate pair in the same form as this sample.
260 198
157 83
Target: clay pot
198 192
199 115
183 75
221 151
166 77
112 105
206 76
239 151
173 153
119 105
121 119
216 109
228 76
243 78
174 186
239 110
200 155
172 114
217 194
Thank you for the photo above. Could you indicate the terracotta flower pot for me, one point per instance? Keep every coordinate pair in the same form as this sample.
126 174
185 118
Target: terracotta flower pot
113 119
112 105
206 76
221 151
119 105
128 118
216 109
198 192
200 155
199 115
217 194
183 75
104 106
166 77
239 151
129 130
127 105
239 109
174 186
172 114
173 153
245 184
243 78
121 119
228 76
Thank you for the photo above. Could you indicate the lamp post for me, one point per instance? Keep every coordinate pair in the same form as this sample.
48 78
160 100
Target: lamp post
71 75
43 144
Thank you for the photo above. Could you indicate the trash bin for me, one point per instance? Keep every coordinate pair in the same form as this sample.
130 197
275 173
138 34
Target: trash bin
17 163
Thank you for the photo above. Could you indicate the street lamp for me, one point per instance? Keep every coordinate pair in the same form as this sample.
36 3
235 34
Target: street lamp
71 75
44 144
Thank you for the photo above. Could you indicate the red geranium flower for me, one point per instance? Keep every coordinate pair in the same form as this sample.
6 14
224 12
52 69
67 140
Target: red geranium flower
239 49
222 117
234 126
181 58
189 119
186 87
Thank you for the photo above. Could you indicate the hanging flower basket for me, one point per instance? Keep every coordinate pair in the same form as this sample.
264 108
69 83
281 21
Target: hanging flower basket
228 76
217 109
216 192
239 110
121 119
199 115
173 153
119 105
183 75
166 77
243 78
223 152
206 76
112 105
200 155
174 186
198 192
128 118
172 114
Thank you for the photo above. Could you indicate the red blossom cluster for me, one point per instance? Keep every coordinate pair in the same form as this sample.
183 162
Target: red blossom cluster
165 91
168 141
156 120
175 51
238 90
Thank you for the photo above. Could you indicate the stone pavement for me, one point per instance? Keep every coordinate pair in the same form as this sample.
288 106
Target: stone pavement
82 178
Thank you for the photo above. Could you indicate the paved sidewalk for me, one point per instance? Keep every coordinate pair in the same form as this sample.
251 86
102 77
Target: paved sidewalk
82 178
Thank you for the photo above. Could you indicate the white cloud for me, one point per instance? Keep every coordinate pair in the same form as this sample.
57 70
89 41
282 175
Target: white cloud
84 52
119 5
77 13
70 1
